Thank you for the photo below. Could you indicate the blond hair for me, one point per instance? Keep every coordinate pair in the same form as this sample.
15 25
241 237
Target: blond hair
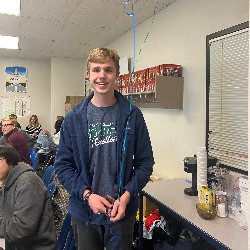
36 121
10 120
102 55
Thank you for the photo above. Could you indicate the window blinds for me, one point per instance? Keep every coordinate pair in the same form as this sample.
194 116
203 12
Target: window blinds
228 99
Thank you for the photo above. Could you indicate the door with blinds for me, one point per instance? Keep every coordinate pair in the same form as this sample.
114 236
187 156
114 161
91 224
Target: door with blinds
227 97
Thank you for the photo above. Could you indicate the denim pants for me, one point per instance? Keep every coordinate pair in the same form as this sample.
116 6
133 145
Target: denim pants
113 236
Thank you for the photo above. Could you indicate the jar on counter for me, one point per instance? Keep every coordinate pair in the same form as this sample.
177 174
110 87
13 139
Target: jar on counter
222 205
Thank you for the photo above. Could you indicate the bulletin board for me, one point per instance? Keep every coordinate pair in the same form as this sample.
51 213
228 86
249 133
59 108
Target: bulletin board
20 106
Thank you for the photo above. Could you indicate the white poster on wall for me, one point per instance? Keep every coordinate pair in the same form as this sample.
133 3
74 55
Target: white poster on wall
16 79
20 106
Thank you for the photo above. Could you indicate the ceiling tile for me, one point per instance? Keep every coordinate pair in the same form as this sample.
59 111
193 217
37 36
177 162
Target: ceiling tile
71 28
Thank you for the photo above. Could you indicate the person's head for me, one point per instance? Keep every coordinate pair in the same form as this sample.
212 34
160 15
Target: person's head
45 132
103 69
58 123
13 116
34 121
102 55
8 157
60 118
8 125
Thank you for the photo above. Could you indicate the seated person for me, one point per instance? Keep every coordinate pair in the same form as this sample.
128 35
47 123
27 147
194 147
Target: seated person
34 128
58 123
26 219
13 116
29 139
56 138
15 138
45 143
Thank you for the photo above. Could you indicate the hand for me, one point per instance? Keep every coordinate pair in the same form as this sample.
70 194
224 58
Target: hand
98 204
45 132
119 207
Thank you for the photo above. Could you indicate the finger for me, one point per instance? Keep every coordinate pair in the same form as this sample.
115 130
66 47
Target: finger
118 217
106 203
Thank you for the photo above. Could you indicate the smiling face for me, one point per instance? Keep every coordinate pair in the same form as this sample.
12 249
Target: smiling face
33 120
7 126
102 78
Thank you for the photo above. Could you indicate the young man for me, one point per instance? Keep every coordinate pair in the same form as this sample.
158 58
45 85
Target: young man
26 218
29 139
104 159
15 138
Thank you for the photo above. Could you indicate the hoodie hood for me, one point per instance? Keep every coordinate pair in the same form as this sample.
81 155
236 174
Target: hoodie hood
124 105
15 172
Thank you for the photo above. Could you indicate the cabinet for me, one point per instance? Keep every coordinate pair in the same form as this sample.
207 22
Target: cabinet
168 94
71 102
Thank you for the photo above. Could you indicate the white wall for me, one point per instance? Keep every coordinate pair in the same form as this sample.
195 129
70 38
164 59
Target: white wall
178 35
49 82
38 88
67 78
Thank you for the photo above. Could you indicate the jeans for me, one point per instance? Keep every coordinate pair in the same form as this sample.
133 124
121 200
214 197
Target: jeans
113 236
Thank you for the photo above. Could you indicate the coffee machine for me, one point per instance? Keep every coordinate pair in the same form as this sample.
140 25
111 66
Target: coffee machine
190 166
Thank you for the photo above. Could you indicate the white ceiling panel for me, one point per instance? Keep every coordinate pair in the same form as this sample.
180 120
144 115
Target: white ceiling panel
53 10
33 44
79 33
9 25
108 35
39 29
71 28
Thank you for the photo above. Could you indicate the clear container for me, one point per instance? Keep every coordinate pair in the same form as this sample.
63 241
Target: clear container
222 205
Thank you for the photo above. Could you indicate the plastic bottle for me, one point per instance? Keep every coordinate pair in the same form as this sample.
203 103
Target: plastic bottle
222 208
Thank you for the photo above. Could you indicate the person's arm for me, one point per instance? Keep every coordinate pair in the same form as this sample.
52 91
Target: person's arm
29 204
142 168
2 139
39 129
65 164
143 162
143 158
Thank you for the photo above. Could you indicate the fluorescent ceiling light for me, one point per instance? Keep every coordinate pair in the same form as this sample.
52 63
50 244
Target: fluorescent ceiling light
10 7
8 42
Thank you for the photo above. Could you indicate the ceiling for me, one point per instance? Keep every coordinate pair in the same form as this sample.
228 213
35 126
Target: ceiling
71 28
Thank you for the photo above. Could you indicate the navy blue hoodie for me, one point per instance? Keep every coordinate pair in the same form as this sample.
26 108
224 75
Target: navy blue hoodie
72 159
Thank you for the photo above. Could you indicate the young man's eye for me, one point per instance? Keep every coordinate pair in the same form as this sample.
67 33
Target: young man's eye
109 70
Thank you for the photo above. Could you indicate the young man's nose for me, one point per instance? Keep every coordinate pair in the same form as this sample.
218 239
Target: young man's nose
102 73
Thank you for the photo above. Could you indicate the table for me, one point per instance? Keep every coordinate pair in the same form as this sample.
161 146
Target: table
223 233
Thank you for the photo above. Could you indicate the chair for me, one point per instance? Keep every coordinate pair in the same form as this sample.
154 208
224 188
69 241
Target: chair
51 188
33 158
31 150
48 175
66 239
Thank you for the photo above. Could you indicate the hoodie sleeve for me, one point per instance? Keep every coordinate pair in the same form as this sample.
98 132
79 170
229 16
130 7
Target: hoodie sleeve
143 159
22 222
71 164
